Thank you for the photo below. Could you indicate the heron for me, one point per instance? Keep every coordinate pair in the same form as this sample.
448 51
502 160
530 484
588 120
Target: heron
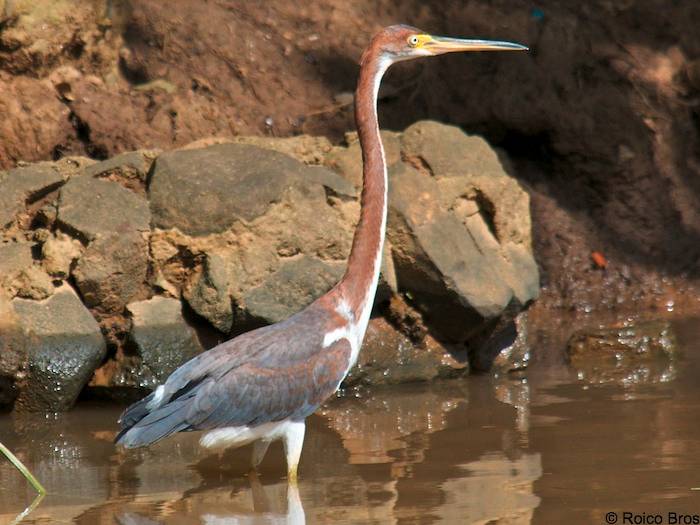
261 386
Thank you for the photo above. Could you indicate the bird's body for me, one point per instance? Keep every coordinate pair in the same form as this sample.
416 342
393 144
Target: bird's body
261 385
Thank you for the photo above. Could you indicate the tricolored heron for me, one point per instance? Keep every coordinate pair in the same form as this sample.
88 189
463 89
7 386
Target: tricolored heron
261 385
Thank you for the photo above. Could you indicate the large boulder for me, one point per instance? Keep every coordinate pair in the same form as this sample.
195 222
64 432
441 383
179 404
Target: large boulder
296 284
205 191
460 229
64 347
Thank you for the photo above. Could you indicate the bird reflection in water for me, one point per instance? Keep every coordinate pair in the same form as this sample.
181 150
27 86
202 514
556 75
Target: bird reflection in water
231 510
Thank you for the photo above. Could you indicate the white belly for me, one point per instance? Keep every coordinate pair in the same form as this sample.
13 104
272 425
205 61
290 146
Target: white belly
233 437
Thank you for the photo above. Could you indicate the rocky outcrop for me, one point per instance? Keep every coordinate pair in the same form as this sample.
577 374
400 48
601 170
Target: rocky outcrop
220 238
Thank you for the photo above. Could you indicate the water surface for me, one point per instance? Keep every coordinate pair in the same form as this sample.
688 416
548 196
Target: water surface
545 447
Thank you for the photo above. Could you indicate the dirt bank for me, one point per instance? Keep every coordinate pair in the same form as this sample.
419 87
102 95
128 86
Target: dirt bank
600 119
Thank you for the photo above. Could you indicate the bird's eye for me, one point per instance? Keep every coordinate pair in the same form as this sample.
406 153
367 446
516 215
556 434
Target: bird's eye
413 41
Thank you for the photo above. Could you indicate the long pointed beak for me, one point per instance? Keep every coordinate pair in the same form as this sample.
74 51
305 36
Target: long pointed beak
442 44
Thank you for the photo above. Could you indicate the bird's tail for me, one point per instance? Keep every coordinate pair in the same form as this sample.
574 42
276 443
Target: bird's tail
141 426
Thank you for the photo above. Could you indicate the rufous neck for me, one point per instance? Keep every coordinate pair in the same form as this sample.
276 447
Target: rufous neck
359 283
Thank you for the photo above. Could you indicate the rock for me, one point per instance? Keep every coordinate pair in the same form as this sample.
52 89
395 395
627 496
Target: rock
114 221
513 347
162 338
446 151
64 345
209 294
15 257
296 284
388 357
21 186
13 353
58 253
224 183
89 207
641 352
131 168
112 270
460 231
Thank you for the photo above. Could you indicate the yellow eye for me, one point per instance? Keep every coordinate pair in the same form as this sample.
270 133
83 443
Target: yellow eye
413 40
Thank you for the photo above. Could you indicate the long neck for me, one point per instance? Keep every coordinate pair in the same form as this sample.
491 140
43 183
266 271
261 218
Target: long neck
359 283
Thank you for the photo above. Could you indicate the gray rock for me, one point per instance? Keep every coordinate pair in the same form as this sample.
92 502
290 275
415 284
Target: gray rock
162 338
112 270
305 148
89 207
295 285
13 353
132 165
204 191
388 357
21 186
114 221
446 151
64 345
460 231
209 294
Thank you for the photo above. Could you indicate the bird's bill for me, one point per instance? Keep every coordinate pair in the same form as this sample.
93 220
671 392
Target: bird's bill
442 44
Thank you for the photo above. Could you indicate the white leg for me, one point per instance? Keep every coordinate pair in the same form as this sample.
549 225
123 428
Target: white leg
293 441
295 510
259 449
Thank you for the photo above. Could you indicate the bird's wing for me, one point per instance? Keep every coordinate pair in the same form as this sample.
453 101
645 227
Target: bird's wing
273 373
259 392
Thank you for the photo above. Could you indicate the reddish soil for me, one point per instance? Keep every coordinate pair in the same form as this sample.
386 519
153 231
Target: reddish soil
600 119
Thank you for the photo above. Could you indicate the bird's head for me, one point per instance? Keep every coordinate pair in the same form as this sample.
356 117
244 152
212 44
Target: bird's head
401 42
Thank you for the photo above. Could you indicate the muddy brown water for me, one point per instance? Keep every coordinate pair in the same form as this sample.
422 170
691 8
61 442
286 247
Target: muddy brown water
546 447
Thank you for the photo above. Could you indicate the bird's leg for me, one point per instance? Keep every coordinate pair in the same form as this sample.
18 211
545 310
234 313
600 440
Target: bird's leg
295 509
293 441
259 450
